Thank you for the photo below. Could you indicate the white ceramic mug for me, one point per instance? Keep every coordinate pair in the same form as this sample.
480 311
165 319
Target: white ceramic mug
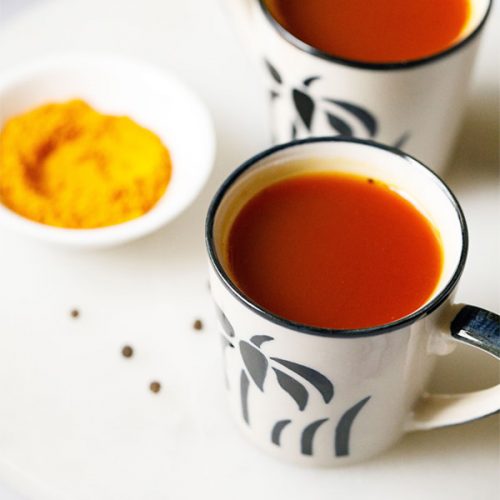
331 397
414 105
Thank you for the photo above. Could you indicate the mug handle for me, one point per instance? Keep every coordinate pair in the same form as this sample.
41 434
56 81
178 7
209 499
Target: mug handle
481 329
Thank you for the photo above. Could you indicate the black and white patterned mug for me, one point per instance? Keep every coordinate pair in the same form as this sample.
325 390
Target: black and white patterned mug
415 105
331 397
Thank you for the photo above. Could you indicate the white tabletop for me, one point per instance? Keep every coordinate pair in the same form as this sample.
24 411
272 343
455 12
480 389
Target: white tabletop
77 420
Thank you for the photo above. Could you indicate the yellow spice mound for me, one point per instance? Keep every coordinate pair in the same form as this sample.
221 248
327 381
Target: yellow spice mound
70 166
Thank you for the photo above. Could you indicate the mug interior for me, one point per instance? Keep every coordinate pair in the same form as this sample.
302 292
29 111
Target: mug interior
400 172
479 10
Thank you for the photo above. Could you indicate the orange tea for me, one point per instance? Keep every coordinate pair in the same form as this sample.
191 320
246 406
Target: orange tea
334 251
378 31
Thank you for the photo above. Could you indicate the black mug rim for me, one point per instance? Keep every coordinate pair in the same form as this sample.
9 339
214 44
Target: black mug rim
411 63
408 320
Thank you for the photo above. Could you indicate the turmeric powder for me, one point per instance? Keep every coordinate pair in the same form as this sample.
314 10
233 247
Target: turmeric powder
67 165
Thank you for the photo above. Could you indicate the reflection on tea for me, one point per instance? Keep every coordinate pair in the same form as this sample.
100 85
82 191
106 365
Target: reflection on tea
335 251
374 31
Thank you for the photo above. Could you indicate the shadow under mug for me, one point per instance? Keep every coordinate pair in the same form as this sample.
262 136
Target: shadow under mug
414 105
332 397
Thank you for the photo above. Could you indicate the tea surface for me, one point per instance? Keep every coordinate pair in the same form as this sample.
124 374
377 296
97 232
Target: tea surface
334 251
374 31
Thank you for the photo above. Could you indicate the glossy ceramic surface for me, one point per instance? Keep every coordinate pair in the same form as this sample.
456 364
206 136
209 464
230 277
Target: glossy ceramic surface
333 397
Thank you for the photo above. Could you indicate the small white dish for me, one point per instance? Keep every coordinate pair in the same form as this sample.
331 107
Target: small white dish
114 85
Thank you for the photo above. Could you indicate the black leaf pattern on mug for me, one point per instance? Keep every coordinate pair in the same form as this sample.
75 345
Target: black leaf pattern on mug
256 366
294 388
258 340
306 441
273 95
343 429
310 80
304 106
273 72
341 126
402 140
226 343
226 325
306 103
255 363
277 430
315 378
244 385
364 116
